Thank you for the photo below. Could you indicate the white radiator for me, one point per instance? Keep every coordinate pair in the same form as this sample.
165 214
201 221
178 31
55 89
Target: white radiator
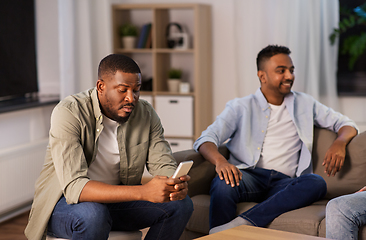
19 168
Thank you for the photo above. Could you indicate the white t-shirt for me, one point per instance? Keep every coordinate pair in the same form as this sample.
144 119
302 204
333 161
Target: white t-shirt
106 166
282 145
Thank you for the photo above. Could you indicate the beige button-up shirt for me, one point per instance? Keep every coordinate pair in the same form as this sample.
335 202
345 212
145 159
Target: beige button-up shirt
76 124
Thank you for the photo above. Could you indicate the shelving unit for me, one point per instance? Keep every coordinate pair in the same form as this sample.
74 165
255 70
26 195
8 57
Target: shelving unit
176 110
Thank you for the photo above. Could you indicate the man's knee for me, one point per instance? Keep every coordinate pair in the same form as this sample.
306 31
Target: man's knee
184 207
347 205
188 204
317 184
333 206
220 188
93 217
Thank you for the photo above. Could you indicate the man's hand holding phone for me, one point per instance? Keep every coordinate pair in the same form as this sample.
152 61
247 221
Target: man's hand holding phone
179 180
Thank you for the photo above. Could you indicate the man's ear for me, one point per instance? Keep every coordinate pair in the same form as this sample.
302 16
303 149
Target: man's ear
100 85
262 76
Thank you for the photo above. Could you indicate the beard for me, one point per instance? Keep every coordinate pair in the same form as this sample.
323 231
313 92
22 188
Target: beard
114 114
121 119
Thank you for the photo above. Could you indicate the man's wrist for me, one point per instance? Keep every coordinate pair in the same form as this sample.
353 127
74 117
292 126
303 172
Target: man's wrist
220 161
341 142
139 193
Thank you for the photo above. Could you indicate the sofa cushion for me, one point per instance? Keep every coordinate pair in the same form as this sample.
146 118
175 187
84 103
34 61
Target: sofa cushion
199 221
304 220
322 231
308 220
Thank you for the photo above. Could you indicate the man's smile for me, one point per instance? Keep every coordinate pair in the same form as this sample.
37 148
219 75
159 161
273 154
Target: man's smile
287 83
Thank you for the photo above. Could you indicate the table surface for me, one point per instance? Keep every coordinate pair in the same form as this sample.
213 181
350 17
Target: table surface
244 232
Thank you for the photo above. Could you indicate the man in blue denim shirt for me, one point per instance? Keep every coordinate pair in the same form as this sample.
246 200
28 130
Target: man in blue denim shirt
270 137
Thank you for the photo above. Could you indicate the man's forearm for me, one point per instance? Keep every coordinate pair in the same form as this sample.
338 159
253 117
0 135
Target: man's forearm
159 189
334 157
95 191
211 153
226 171
345 134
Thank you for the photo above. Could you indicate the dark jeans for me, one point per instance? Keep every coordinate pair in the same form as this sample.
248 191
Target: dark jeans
276 193
90 220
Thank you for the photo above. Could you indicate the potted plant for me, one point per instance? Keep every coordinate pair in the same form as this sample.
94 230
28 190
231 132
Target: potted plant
174 79
128 33
353 45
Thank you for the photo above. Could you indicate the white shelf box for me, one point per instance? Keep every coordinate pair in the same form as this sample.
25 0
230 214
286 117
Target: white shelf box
176 115
147 98
180 144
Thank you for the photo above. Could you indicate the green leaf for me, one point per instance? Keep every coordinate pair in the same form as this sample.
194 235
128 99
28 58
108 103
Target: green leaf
346 22
352 20
361 21
345 11
332 38
175 73
128 30
342 26
354 46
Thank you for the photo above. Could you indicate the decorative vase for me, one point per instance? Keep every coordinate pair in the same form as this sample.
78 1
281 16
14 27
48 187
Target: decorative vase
173 85
184 87
128 42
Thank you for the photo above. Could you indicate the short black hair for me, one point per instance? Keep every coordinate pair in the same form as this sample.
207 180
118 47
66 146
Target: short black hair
268 52
117 62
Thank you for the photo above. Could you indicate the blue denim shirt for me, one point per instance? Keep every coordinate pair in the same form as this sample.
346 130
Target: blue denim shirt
244 124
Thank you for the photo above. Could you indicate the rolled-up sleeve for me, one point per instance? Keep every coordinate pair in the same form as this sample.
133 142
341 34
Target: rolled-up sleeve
67 153
326 117
222 129
160 159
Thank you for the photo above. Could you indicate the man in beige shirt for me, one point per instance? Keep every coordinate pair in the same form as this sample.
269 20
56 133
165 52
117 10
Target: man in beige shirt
99 143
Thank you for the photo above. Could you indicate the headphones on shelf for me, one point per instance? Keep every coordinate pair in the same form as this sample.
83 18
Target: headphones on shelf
176 39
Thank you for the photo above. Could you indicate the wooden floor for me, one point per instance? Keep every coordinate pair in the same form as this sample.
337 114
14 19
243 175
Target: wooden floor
13 229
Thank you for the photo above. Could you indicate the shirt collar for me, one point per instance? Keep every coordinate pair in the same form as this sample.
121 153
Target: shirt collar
261 99
96 107
288 100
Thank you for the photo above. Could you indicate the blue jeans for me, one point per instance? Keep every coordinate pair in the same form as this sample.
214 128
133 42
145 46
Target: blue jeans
89 220
345 215
276 193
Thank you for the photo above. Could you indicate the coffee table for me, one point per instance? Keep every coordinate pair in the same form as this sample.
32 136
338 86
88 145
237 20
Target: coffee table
244 232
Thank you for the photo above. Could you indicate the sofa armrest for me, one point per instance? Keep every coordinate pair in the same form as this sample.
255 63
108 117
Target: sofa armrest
351 178
202 171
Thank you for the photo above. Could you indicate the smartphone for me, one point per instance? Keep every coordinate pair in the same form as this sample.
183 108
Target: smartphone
183 169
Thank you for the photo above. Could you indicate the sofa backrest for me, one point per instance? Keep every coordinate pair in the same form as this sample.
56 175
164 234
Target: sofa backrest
350 179
352 176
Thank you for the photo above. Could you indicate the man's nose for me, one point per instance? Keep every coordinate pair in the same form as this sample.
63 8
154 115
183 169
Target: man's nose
129 96
289 75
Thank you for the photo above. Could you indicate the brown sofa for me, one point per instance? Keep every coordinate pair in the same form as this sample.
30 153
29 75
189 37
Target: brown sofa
309 220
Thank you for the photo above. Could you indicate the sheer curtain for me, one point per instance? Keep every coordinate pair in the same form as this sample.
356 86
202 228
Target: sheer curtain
84 38
302 25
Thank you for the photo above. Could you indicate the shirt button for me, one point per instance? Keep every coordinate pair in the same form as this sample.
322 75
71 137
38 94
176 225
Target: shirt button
258 148
266 116
262 131
98 130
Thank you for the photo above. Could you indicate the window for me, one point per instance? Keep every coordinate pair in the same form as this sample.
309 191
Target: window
351 82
